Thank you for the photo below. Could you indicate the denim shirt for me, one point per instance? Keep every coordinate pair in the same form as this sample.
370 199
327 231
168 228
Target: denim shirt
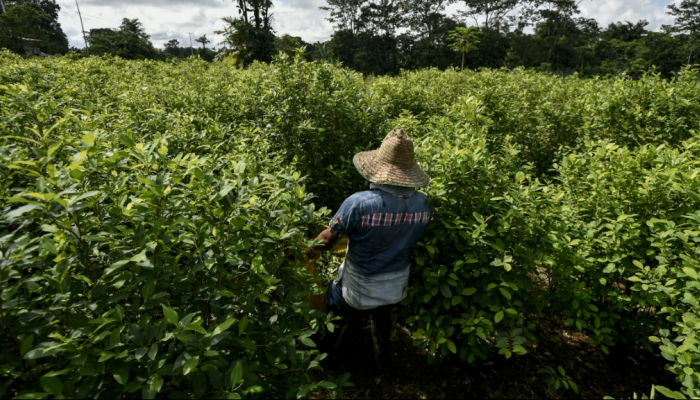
381 227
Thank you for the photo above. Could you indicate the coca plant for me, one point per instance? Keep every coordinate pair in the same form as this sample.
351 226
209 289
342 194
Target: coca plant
130 268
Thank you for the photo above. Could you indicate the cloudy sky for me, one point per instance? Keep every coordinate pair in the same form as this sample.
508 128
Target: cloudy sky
173 19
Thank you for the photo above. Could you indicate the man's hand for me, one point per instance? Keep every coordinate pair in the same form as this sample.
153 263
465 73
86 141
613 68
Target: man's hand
328 239
312 253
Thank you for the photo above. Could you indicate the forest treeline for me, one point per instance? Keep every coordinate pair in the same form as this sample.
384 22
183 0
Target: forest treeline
382 37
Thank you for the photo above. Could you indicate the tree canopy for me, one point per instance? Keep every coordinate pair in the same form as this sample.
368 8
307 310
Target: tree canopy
130 41
34 22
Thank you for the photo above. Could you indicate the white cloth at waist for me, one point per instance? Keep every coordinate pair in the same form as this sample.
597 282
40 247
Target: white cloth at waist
365 292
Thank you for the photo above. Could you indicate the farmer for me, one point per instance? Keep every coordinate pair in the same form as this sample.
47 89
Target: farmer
382 224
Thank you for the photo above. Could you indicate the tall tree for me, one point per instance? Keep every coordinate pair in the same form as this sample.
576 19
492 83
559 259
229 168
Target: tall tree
256 13
35 19
345 14
203 40
687 20
488 14
463 40
382 17
250 36
130 41
48 6
424 17
554 20
173 48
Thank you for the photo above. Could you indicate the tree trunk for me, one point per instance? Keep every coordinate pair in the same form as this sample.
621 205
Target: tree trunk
691 54
463 53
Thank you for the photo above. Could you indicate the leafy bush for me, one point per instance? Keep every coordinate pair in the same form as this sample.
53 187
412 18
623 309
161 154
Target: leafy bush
153 217
627 248
549 115
131 267
471 279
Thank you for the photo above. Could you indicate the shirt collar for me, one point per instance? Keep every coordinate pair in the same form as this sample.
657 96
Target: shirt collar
397 190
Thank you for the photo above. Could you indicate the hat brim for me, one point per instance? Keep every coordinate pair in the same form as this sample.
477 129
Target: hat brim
383 173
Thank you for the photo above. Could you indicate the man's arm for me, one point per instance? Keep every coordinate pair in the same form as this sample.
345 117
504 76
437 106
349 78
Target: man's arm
328 238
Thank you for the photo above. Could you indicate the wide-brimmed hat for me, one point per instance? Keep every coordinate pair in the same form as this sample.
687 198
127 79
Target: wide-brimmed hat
393 163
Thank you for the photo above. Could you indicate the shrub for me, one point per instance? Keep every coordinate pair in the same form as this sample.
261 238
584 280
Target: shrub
131 267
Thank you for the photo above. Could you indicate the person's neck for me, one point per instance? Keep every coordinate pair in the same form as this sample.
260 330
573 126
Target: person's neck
397 190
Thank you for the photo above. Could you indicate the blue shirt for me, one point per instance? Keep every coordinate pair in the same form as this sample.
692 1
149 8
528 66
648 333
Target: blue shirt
381 227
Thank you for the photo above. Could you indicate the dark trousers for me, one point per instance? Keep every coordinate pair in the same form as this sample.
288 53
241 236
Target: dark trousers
381 317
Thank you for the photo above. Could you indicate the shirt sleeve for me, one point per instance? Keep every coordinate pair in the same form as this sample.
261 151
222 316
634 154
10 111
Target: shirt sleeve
344 222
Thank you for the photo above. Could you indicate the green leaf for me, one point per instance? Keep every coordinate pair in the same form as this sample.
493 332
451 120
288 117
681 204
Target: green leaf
690 272
498 317
30 396
132 386
52 385
574 387
156 383
170 315
223 326
148 288
468 291
445 290
236 375
197 328
451 346
242 325
88 139
140 257
190 365
610 268
121 374
126 141
327 385
27 343
308 342
505 293
669 393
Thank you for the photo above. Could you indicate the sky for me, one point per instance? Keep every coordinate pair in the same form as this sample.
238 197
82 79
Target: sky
174 19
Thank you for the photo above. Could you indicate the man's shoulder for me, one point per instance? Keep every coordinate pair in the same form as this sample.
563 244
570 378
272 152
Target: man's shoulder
359 198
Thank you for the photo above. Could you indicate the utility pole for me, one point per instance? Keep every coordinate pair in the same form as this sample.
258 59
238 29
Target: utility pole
191 49
81 26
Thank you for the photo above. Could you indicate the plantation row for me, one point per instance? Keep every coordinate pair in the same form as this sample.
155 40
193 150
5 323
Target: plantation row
154 217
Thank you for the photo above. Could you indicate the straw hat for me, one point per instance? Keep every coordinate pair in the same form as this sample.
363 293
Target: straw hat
393 163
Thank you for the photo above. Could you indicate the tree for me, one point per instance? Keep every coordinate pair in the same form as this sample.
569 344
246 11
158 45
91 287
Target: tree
345 14
687 20
130 41
463 40
250 37
555 22
424 17
172 46
36 20
256 13
381 17
48 6
491 12
288 44
203 40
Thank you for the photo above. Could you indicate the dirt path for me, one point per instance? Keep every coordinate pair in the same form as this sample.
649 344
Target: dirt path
596 374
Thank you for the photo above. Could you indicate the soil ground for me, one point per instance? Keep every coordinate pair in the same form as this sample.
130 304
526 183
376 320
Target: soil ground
625 374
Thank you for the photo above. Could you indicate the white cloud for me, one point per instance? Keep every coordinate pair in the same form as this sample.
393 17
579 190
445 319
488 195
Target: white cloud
607 12
173 19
